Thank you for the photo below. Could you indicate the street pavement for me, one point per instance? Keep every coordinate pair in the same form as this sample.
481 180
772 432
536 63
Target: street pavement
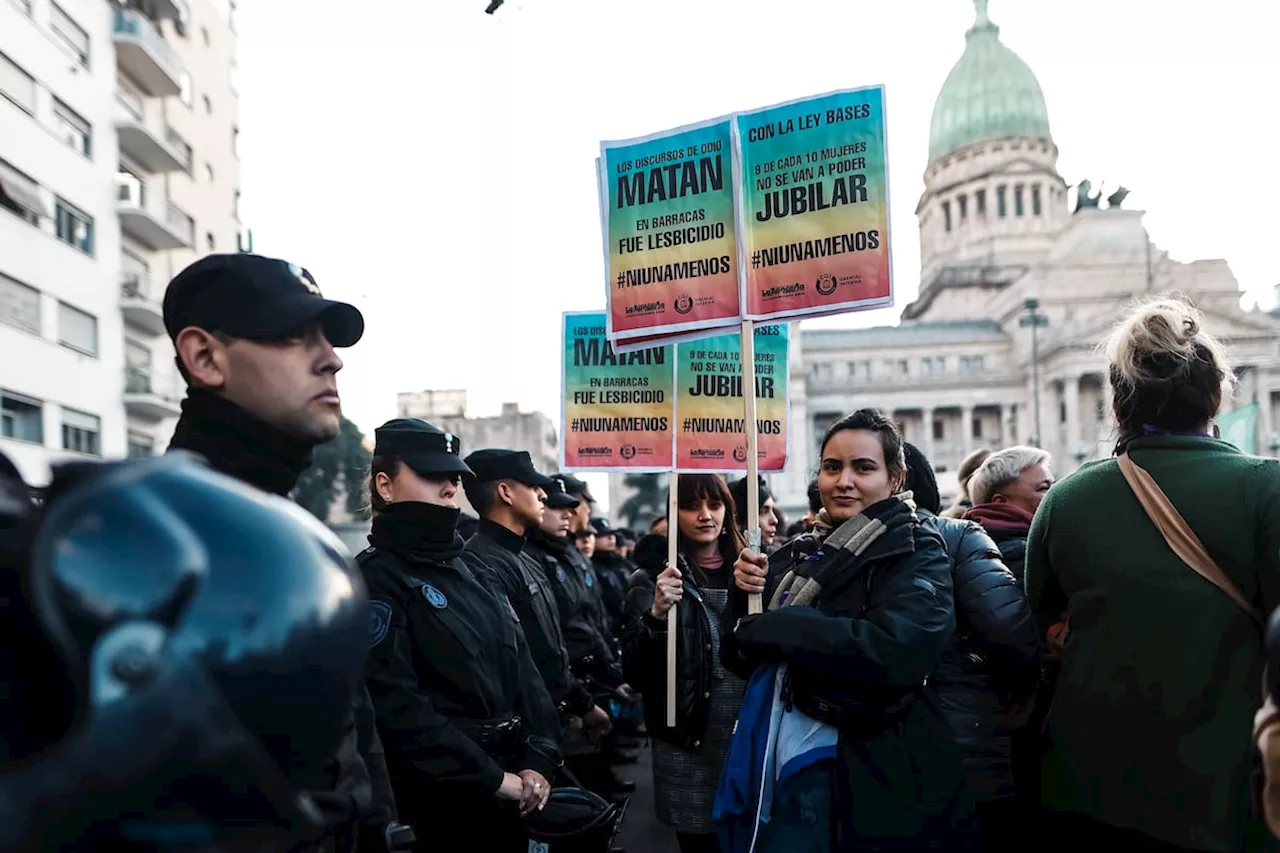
641 832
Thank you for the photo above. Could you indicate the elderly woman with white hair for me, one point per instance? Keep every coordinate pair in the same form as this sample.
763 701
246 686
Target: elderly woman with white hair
1006 491
1149 730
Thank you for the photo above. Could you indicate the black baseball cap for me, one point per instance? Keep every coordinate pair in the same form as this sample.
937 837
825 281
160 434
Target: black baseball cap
602 527
577 488
494 464
558 496
424 447
255 298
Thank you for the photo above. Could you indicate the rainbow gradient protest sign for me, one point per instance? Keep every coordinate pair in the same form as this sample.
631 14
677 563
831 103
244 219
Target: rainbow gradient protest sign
814 206
710 434
617 407
670 245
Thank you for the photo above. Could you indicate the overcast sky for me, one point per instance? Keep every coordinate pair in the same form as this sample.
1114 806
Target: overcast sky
433 164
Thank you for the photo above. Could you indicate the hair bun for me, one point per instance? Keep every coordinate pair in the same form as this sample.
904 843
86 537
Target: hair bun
1159 342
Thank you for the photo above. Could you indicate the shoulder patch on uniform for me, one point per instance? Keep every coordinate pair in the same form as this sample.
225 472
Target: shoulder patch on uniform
379 622
561 575
590 579
434 597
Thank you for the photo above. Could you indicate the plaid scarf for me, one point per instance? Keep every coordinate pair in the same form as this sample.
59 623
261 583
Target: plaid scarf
804 581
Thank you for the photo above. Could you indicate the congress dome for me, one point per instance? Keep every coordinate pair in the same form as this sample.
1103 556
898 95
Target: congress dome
989 94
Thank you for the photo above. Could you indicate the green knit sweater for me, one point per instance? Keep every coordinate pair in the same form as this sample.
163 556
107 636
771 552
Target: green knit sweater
1150 728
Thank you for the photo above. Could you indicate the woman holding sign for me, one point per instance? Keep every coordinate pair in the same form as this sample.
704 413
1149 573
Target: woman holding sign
687 758
840 744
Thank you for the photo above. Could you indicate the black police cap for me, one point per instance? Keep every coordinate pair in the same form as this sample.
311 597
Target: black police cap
255 298
424 447
494 464
577 488
558 496
602 527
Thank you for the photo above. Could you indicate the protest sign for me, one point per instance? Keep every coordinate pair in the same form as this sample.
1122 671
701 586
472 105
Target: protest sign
711 434
814 206
617 407
670 245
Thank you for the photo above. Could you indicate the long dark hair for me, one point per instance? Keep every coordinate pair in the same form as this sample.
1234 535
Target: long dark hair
695 488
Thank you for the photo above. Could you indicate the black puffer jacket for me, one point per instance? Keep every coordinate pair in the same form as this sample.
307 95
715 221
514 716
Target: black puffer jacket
994 661
644 652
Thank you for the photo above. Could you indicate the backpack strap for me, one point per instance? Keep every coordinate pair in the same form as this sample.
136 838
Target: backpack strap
1182 540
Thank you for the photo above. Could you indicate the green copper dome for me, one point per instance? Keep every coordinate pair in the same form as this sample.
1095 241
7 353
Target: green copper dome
989 94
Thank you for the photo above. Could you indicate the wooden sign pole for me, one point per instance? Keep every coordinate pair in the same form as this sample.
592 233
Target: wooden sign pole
755 603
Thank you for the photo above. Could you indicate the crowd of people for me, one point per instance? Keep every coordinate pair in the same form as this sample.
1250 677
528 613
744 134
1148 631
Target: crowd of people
1041 666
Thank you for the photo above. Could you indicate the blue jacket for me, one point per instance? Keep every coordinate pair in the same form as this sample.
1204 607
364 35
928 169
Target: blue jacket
737 805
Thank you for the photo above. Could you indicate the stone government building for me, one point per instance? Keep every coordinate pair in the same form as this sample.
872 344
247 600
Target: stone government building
995 231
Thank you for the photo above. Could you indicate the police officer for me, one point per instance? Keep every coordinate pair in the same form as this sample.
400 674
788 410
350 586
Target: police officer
591 652
255 342
510 497
190 668
470 731
612 571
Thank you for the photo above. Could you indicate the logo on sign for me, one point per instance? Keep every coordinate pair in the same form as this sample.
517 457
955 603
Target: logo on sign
628 451
826 284
740 454
684 303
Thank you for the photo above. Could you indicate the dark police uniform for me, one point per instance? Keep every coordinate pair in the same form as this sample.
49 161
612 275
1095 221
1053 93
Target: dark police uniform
457 695
264 299
521 577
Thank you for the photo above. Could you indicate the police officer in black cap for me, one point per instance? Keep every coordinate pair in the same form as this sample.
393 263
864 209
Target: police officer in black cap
255 342
613 572
591 652
470 731
512 498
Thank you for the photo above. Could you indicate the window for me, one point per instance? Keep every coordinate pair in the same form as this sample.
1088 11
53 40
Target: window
77 330
904 366
74 227
131 189
1017 200
1001 209
939 430
972 363
21 417
20 196
73 129
184 88
69 33
180 147
946 215
81 432
140 445
980 203
962 204
19 304
208 105
17 85
1035 200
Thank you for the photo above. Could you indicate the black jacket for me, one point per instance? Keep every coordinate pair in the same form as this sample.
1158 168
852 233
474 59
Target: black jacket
614 573
993 662
859 659
591 653
448 662
530 593
644 657
355 796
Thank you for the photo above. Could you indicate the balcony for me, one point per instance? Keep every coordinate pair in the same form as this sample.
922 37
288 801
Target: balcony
139 223
140 144
143 54
145 399
137 306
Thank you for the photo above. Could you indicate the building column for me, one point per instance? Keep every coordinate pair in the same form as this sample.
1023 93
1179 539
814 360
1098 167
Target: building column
926 445
966 429
1002 424
1262 396
1071 397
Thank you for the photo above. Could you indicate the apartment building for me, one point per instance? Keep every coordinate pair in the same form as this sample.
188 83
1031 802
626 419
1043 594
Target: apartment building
118 167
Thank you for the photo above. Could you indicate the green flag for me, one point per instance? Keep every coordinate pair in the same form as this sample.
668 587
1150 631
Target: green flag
1241 428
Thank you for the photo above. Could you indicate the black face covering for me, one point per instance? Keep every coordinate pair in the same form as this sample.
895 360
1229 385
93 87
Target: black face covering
557 544
418 531
239 444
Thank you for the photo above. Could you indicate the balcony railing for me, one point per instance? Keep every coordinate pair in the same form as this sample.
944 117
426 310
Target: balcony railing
143 53
132 104
138 380
181 224
180 147
131 192
133 286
